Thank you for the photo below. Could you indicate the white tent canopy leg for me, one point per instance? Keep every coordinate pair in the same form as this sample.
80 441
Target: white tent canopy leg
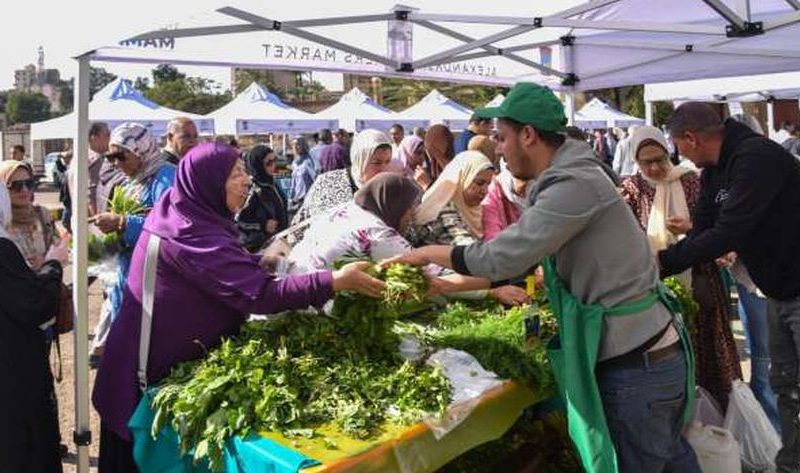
80 296
570 108
648 113
770 118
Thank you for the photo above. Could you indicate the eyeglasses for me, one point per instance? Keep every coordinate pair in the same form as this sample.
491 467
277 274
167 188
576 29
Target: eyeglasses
17 186
118 156
653 162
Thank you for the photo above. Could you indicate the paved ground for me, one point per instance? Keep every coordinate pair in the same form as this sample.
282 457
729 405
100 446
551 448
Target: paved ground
65 389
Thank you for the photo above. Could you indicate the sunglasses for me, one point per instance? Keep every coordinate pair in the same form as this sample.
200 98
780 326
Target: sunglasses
118 156
17 186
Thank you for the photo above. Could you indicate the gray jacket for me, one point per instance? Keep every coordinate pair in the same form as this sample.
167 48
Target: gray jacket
601 253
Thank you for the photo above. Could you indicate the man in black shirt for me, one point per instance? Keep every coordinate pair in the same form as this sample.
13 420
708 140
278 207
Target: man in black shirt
749 204
181 137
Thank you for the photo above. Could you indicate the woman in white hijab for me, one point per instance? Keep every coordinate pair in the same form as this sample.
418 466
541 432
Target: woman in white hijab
370 155
663 198
450 213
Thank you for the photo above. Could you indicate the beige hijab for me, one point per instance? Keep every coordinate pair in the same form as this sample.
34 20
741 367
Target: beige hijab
670 199
450 186
21 215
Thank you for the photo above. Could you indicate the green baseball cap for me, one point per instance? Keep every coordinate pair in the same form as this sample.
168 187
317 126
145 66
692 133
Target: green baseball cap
530 104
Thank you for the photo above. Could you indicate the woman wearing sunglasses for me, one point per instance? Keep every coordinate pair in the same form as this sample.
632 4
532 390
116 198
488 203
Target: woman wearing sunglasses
264 214
31 227
663 198
134 152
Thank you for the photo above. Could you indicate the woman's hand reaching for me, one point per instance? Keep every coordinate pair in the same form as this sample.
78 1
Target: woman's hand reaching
352 277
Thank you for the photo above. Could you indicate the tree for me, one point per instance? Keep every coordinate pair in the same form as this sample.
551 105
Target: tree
141 84
98 78
402 93
67 100
167 73
25 107
242 78
189 94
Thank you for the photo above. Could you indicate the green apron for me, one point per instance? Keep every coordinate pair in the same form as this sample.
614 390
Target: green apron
573 355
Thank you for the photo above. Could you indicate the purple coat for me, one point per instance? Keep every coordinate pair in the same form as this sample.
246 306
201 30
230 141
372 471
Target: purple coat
333 157
206 284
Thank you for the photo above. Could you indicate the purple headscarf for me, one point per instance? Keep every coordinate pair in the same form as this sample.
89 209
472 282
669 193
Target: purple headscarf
194 207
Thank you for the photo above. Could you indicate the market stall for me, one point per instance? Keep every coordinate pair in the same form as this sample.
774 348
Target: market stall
598 44
258 111
598 114
116 103
357 111
437 108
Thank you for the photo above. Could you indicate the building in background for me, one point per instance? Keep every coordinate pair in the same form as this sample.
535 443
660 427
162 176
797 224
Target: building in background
38 79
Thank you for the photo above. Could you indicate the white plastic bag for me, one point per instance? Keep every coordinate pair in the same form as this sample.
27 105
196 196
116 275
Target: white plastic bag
468 381
717 451
747 422
706 409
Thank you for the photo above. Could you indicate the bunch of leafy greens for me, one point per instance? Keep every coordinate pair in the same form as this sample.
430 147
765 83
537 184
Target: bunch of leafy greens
303 371
497 337
689 305
122 202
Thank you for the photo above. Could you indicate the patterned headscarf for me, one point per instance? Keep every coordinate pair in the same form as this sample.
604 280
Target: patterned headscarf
137 139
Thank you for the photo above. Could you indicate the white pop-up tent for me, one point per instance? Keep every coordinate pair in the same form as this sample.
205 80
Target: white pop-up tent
258 111
496 101
598 114
436 108
357 111
590 45
116 103
751 88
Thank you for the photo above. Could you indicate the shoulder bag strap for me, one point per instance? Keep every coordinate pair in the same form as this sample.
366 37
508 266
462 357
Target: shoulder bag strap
148 295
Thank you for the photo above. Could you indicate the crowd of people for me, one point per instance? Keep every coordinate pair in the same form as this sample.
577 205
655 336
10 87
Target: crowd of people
600 219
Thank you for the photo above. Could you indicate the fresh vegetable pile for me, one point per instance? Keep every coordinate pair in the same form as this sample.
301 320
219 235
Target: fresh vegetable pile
302 372
499 338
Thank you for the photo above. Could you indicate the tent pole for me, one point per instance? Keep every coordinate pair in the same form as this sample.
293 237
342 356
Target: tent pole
82 433
770 117
570 98
648 113
284 144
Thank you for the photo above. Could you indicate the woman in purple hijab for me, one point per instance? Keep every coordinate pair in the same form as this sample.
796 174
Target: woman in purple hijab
205 285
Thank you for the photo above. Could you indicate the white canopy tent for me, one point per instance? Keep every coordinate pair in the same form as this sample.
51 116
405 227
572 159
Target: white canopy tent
357 111
116 103
597 44
496 101
258 111
751 88
436 108
598 114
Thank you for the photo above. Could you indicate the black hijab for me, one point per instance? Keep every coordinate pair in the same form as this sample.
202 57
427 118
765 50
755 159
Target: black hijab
254 163
388 196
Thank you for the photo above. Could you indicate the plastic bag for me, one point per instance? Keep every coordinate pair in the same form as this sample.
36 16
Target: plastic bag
717 451
706 409
747 422
468 381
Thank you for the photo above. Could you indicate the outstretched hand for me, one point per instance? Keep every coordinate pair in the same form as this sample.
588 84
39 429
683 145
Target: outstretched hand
353 277
416 257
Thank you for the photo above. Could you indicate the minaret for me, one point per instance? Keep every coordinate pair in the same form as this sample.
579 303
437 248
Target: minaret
40 67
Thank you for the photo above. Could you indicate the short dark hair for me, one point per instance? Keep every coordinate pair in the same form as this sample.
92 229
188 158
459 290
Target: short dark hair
97 128
325 136
695 117
552 139
19 148
399 127
474 118
575 133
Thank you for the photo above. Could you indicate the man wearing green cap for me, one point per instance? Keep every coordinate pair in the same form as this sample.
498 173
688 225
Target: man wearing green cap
623 362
